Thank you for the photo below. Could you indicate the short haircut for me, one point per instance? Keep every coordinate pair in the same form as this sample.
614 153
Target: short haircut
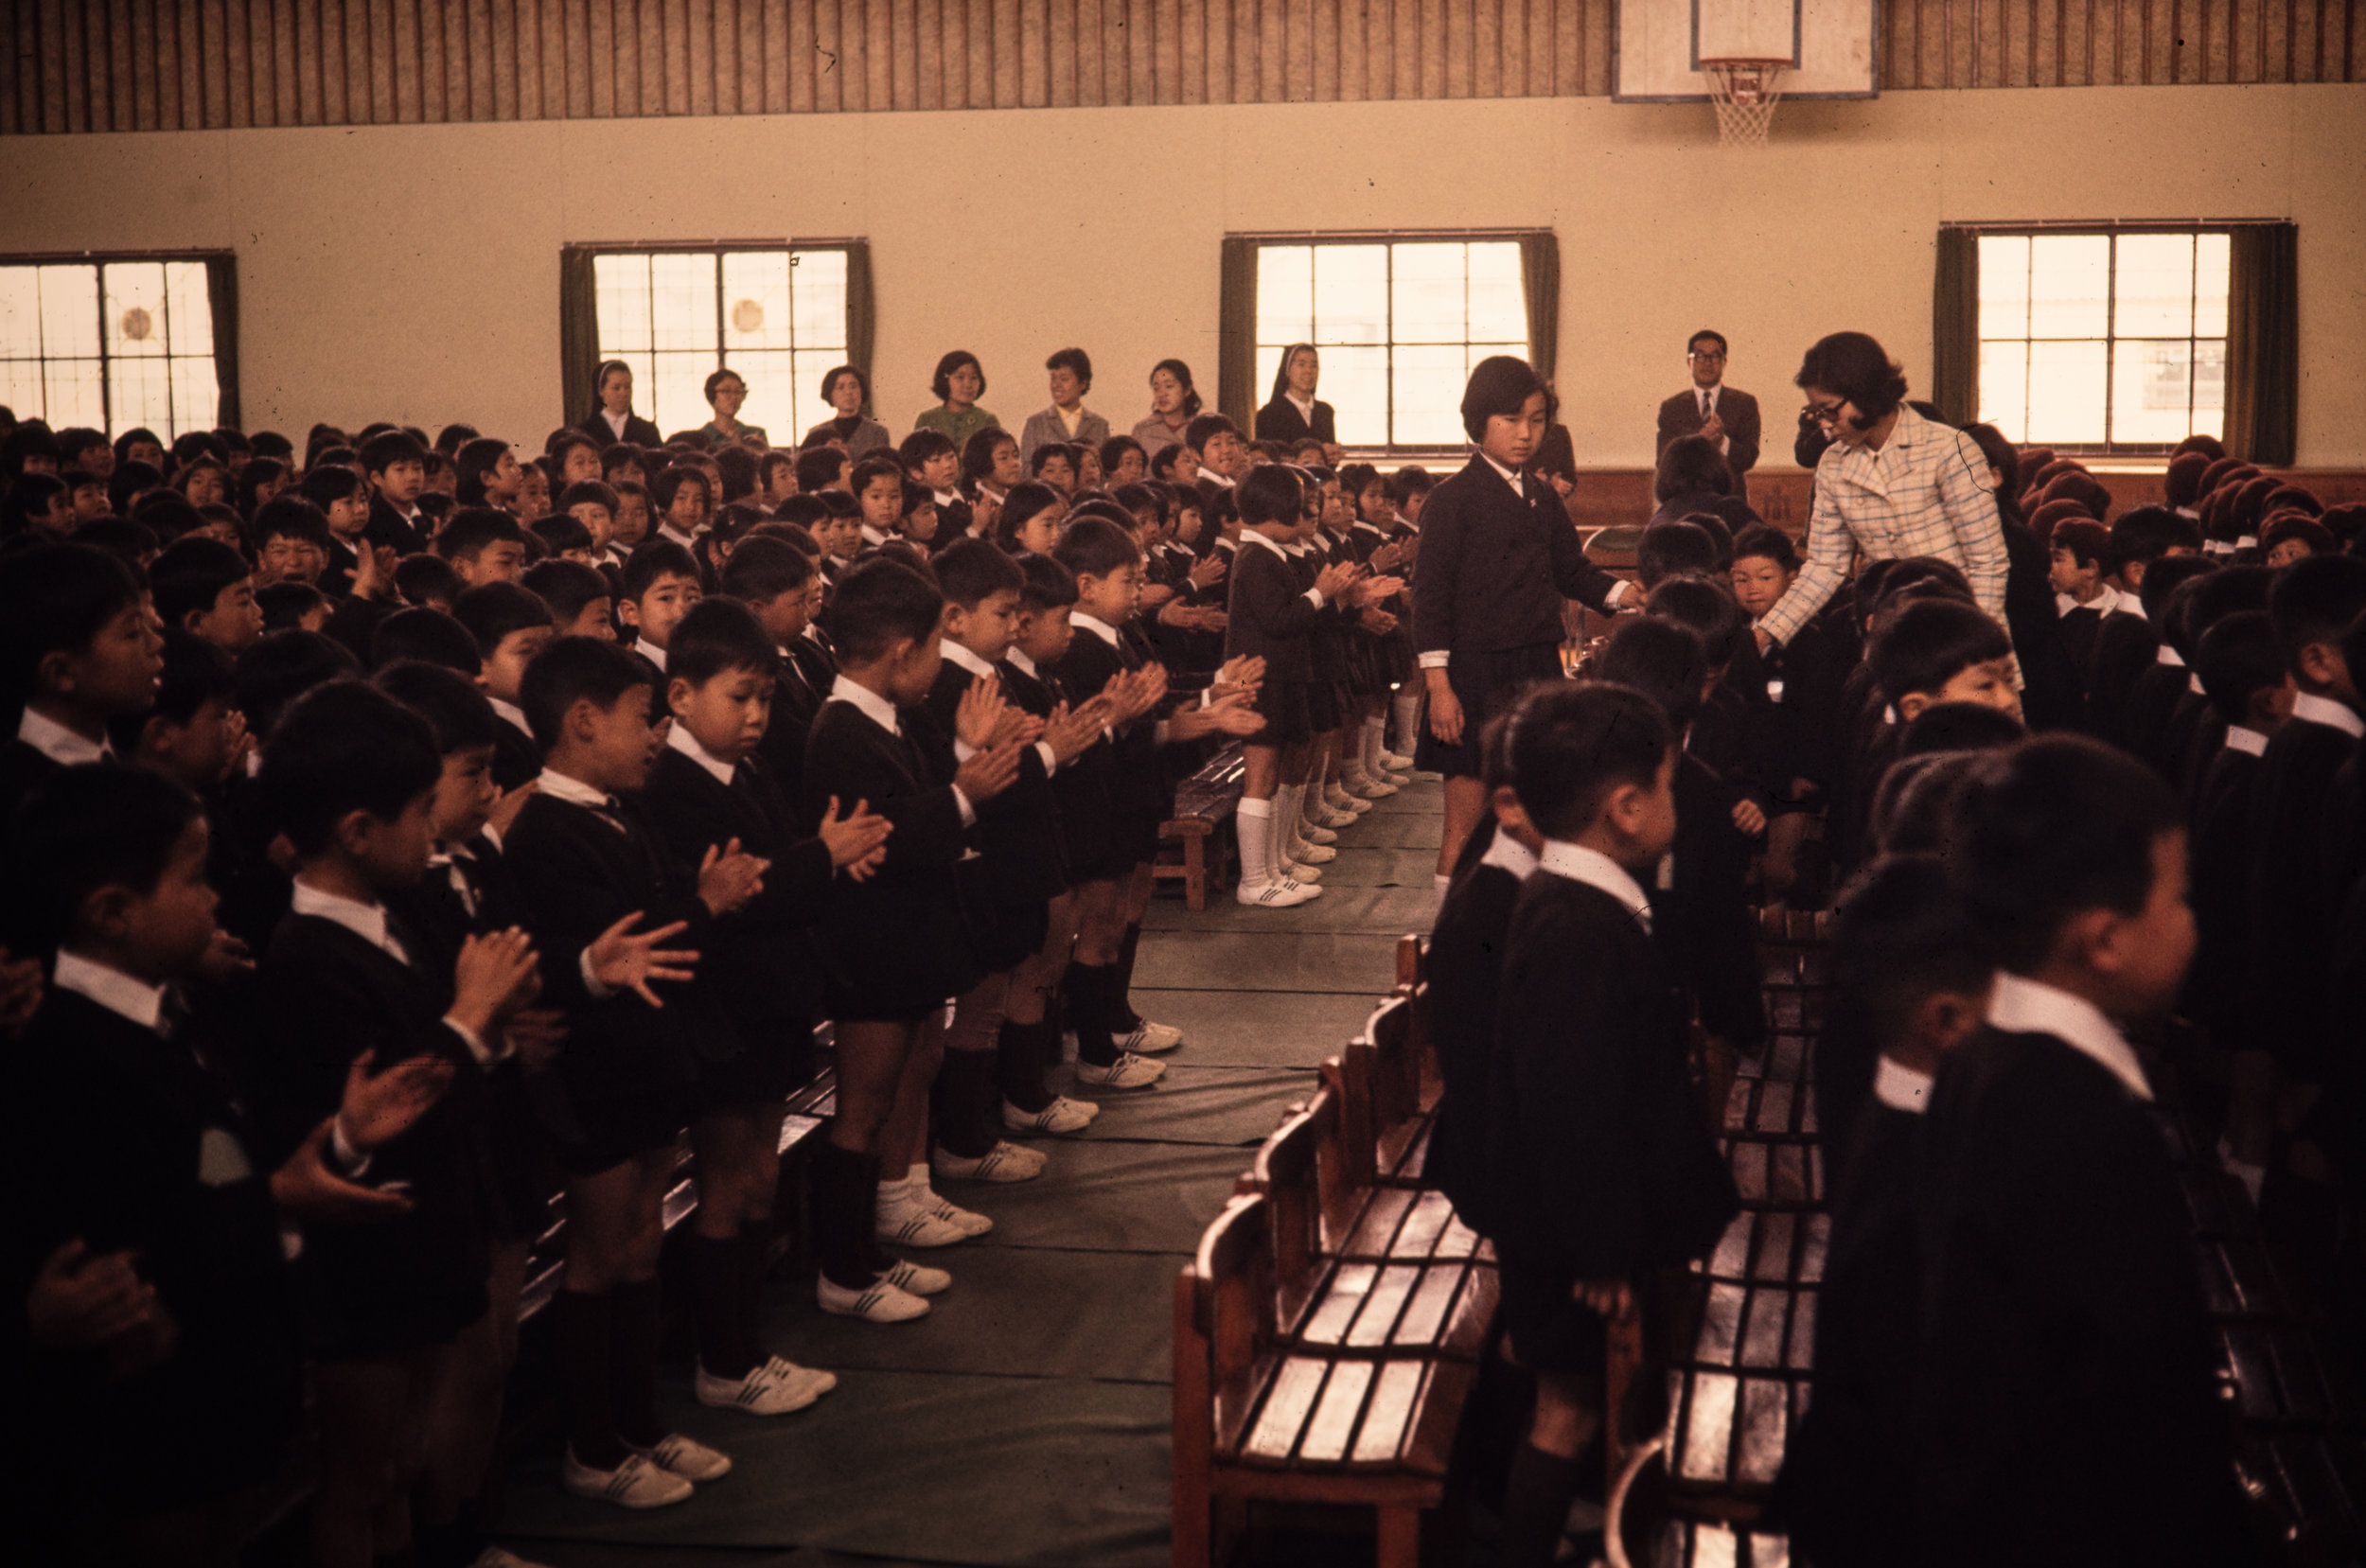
190 575
652 559
473 528
1769 543
2227 592
1114 450
455 707
2315 535
763 568
880 603
735 467
592 492
1691 466
1499 384
346 746
1574 744
1665 660
1272 495
2148 532
1932 641
829 382
1095 547
2235 661
942 382
492 612
286 603
327 486
1067 451
566 586
2158 591
54 598
573 670
83 829
1025 501
669 482
1899 935
1959 726
560 533
1858 369
129 479
1045 584
194 672
1707 606
2060 825
2000 456
972 571
924 444
1410 481
421 632
382 451
978 453
1716 338
874 465
1205 428
817 468
129 543
717 636
2314 600
475 461
2089 543
1075 359
1674 550
423 579
290 517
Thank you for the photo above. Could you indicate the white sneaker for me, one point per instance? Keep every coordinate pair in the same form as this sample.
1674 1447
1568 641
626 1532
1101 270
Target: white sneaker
1311 854
1295 872
911 1224
1061 1116
917 1279
1152 1039
1317 836
1338 798
1128 1072
640 1481
1370 787
879 1302
688 1459
776 1389
1396 764
965 1221
501 1556
1338 817
1004 1162
1274 895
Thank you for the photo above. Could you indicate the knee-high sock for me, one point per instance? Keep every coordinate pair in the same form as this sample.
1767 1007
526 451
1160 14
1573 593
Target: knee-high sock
583 1352
755 1258
1536 1507
1022 1058
1088 987
635 1324
1407 709
1122 1019
715 1289
1255 822
843 1202
967 1117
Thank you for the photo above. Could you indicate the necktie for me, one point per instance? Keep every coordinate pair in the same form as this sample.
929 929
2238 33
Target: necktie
1705 409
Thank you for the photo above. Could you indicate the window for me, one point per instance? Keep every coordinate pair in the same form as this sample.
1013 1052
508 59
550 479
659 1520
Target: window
1400 323
776 317
2105 342
111 343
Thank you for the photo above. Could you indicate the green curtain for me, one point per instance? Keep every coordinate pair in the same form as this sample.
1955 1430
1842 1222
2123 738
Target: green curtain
1237 393
222 297
2263 345
1540 281
1955 327
861 320
578 333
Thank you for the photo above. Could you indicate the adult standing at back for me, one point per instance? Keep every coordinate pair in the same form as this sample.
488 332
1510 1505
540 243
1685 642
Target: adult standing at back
612 420
1068 419
959 381
1892 485
1173 404
848 389
1293 415
1724 416
1499 557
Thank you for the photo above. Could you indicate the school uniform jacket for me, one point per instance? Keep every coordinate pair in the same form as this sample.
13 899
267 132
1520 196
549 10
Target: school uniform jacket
2219 992
516 761
1269 615
1703 918
1017 832
1138 786
389 527
1496 564
795 700
1466 966
2066 1406
2293 903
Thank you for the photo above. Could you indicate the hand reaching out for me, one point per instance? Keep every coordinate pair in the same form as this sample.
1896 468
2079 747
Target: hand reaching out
625 960
495 974
1372 590
981 710
857 840
987 773
378 1107
306 1189
730 876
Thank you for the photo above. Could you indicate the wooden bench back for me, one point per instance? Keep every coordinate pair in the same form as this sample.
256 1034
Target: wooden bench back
1234 1311
1387 1061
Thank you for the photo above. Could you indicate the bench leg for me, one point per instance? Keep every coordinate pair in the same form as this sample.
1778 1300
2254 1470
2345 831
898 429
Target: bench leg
1195 873
1399 1536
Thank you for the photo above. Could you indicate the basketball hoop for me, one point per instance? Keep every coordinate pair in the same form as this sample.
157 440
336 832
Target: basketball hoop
1745 92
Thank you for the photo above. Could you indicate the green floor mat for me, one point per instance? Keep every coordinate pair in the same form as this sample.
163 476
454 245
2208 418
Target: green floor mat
1282 1028
1227 1106
1281 960
1349 905
1110 1197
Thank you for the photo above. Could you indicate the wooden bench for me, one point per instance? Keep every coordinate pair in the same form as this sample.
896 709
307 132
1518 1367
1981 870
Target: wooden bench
1203 804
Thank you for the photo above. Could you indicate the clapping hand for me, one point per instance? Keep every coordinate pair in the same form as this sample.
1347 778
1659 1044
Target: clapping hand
622 959
729 877
857 840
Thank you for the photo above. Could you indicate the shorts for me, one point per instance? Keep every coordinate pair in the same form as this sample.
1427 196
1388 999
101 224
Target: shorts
1288 719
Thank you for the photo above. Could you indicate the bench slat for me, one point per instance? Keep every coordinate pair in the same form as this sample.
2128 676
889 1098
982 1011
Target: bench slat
1396 1399
1429 1439
1274 1436
1764 1406
1383 1307
1340 1301
1425 1316
1329 1434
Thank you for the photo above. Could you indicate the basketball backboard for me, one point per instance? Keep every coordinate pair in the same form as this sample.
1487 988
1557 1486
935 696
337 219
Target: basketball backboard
1656 46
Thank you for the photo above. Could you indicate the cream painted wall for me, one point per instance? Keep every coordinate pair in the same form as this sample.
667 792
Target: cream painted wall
411 273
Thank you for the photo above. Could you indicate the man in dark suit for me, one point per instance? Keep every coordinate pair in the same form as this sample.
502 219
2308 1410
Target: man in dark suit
1711 409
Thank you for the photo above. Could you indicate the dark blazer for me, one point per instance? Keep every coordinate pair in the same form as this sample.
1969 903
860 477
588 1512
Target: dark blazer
389 527
1279 420
2219 992
2066 1406
1018 831
1703 922
516 761
795 700
638 431
1269 615
23 769
1681 415
1139 784
1495 567
1466 968
1599 1164
2293 904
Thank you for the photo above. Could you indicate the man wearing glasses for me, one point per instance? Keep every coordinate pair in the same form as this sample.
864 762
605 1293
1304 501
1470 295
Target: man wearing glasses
1712 410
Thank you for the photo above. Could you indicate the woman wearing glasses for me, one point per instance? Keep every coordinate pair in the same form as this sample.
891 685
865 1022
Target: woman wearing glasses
726 393
1892 486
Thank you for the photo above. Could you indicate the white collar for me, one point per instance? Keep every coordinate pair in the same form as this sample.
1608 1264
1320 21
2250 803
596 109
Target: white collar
2309 706
812 634
1304 405
1597 870
1019 657
2192 684
1222 482
2106 603
1711 392
58 743
966 659
666 531
2246 541
366 921
1369 527
679 738
873 537
510 713
616 421
2019 1005
111 987
649 651
558 786
1508 853
946 497
1511 479
1095 625
1271 544
874 707
1901 1088
2250 742
2170 656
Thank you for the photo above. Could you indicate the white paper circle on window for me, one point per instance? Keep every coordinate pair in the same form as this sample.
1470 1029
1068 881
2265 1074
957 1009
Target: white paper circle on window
136 324
747 316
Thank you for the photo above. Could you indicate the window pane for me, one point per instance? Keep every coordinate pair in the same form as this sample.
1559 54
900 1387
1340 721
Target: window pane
1356 384
2211 254
1429 380
2151 390
812 408
21 390
755 301
196 397
621 290
1285 294
675 399
1268 367
1350 294
2210 388
2153 294
2066 388
69 310
190 315
681 302
1499 305
2004 286
771 377
1430 294
135 308
2004 388
20 316
139 392
75 396
2068 276
818 279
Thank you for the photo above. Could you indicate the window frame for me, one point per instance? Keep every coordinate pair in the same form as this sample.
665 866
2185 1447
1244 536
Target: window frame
221 323
1258 238
2124 450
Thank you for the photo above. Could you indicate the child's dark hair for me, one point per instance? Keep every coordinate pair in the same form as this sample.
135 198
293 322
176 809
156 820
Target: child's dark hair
573 670
2163 579
1932 641
1045 584
593 491
566 586
978 453
165 514
87 828
1767 543
1691 466
383 450
1573 745
1499 384
1066 451
1095 547
1408 482
1665 659
764 568
281 668
454 706
345 748
1113 452
669 482
716 636
2088 544
30 494
475 461
2148 533
560 533
650 560
129 479
1708 607
1674 549
922 444
1028 499
473 528
492 611
971 571
818 468
286 603
2235 661
2059 825
54 598
129 542
735 470
880 603
421 632
1859 370
195 671
2315 599
1899 934
291 516
1272 493
1075 359
324 487
426 580
942 382
1205 428
190 576
1960 727
2315 535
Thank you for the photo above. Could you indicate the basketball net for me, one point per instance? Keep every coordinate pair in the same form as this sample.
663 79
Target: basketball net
1746 93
